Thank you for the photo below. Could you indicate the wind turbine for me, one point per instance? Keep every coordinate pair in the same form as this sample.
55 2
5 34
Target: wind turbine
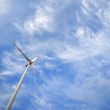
30 62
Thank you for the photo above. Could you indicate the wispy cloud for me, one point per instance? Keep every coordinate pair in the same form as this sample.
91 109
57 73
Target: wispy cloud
88 46
11 64
42 19
4 7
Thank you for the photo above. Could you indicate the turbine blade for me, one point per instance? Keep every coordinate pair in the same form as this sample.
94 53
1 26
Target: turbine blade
34 59
21 52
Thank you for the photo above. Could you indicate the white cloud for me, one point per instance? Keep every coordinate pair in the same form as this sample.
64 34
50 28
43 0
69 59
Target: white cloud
11 64
4 7
88 46
42 19
49 65
5 94
86 89
103 14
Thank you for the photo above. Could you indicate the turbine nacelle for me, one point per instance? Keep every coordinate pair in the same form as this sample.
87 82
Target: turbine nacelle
32 61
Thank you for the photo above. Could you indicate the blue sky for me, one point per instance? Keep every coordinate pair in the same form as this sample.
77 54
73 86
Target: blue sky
72 39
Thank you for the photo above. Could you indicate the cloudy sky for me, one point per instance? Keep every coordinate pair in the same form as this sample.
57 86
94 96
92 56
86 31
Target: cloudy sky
72 38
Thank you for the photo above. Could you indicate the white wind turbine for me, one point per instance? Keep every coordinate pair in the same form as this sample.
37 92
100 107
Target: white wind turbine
30 62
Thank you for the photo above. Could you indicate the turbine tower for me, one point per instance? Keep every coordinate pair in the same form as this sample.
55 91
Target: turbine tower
30 62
